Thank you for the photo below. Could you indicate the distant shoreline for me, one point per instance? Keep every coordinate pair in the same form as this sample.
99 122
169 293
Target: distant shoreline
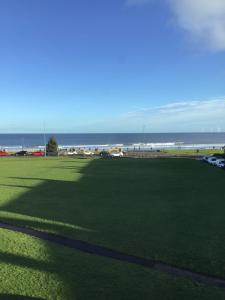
127 148
127 142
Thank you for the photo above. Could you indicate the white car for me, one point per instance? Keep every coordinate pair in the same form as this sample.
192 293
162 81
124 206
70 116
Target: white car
205 158
88 153
221 164
117 154
219 161
212 160
72 153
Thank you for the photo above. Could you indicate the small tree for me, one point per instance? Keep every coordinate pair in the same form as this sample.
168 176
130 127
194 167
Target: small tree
52 146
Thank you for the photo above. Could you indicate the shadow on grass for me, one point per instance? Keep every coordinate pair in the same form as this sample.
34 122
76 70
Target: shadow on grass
133 204
17 297
74 203
19 260
37 208
59 206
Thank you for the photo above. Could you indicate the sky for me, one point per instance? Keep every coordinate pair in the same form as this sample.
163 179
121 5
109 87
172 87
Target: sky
112 66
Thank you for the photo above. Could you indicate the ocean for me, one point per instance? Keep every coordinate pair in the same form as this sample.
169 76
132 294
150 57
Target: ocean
123 140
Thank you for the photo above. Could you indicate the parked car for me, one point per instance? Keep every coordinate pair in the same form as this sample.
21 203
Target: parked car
205 158
21 153
221 164
38 153
71 153
105 154
219 160
88 153
117 154
215 162
212 160
4 153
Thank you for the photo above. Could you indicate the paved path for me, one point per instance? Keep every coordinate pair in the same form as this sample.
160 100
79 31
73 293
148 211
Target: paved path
113 254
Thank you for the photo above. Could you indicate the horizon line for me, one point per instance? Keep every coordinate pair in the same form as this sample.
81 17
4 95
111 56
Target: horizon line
162 132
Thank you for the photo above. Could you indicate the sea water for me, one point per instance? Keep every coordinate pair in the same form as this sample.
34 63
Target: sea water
122 140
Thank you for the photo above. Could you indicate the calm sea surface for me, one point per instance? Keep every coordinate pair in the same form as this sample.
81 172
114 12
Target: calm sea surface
34 140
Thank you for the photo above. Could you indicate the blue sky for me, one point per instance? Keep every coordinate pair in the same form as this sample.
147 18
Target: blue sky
112 66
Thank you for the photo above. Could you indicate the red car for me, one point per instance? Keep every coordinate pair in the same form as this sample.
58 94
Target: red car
38 153
4 153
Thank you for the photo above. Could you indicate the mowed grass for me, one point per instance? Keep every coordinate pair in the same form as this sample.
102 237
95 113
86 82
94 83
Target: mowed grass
194 152
171 210
38 270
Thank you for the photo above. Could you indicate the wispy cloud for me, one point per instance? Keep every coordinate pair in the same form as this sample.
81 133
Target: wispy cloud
205 115
203 19
182 116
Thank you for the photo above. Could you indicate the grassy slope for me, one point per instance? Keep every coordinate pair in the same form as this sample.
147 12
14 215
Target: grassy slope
167 209
41 270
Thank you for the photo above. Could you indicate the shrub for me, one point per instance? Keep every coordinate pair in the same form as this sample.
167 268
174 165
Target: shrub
52 146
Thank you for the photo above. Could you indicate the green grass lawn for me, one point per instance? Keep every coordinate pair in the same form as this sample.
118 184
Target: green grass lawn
194 152
40 270
166 209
